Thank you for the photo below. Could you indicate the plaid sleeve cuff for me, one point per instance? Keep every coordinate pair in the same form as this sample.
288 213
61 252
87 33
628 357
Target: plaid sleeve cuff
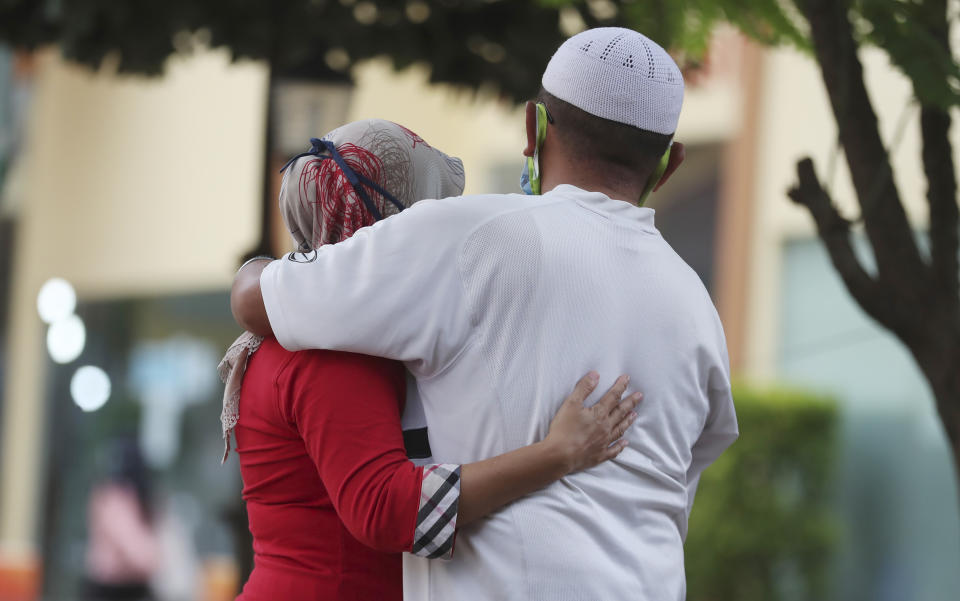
437 517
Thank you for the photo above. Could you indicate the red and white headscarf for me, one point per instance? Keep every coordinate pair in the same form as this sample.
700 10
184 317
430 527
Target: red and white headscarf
321 206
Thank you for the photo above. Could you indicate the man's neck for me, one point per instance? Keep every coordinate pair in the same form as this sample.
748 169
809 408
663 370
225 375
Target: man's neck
614 188
622 185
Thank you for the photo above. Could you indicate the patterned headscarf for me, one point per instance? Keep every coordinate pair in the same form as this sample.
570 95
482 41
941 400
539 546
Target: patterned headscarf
352 177
394 167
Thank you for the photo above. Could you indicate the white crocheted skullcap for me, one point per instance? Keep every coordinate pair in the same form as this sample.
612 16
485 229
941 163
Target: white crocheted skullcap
620 75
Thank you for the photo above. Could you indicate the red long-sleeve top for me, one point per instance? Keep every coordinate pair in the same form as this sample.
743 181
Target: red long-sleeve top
325 475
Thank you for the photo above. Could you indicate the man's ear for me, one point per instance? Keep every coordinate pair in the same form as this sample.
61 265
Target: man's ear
677 154
531 110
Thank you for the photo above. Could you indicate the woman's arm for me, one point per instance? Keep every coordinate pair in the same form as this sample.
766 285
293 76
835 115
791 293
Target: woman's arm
579 438
346 408
246 300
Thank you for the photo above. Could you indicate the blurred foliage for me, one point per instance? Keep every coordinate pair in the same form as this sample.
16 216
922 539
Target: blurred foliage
910 32
761 527
465 42
685 26
500 43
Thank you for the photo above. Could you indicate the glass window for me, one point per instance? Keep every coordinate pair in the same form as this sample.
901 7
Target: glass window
160 355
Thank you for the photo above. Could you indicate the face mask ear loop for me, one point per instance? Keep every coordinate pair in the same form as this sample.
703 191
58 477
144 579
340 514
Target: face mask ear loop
357 181
352 177
656 175
377 188
533 163
316 147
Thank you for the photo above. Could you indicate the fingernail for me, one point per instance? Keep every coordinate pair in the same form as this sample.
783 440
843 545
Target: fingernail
637 396
594 377
633 415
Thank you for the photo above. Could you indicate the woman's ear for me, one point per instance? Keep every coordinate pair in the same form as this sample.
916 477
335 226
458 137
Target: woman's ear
677 154
531 121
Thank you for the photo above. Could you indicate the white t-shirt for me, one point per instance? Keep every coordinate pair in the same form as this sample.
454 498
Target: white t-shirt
498 304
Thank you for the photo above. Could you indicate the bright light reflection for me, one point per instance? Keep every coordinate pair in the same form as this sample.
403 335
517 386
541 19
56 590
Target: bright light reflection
90 388
66 339
56 300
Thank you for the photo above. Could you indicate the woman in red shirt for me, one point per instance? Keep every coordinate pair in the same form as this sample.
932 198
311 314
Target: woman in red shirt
331 495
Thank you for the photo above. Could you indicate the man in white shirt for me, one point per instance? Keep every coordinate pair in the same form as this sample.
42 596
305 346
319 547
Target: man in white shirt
497 303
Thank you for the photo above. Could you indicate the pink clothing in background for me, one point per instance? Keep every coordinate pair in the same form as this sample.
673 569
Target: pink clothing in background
123 545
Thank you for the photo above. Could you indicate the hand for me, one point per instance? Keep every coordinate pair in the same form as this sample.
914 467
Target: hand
583 436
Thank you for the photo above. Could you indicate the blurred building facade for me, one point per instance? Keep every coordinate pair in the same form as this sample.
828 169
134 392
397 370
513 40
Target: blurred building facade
896 488
144 194
141 194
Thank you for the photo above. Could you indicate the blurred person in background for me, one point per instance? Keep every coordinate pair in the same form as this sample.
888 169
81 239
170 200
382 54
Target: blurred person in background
495 301
122 549
331 496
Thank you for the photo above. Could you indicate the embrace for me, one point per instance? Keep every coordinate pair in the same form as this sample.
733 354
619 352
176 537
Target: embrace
471 321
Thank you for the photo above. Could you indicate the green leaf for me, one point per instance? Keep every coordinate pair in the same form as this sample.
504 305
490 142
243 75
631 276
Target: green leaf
913 34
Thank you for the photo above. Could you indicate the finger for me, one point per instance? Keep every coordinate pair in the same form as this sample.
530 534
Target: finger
621 428
582 390
613 450
612 397
622 409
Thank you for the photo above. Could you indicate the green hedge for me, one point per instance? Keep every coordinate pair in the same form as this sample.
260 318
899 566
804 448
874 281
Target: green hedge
761 527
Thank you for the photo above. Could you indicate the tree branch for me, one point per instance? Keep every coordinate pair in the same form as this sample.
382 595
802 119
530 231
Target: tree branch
941 182
834 230
889 232
942 199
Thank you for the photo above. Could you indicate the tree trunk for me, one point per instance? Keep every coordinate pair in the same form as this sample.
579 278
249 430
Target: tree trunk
940 364
915 299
